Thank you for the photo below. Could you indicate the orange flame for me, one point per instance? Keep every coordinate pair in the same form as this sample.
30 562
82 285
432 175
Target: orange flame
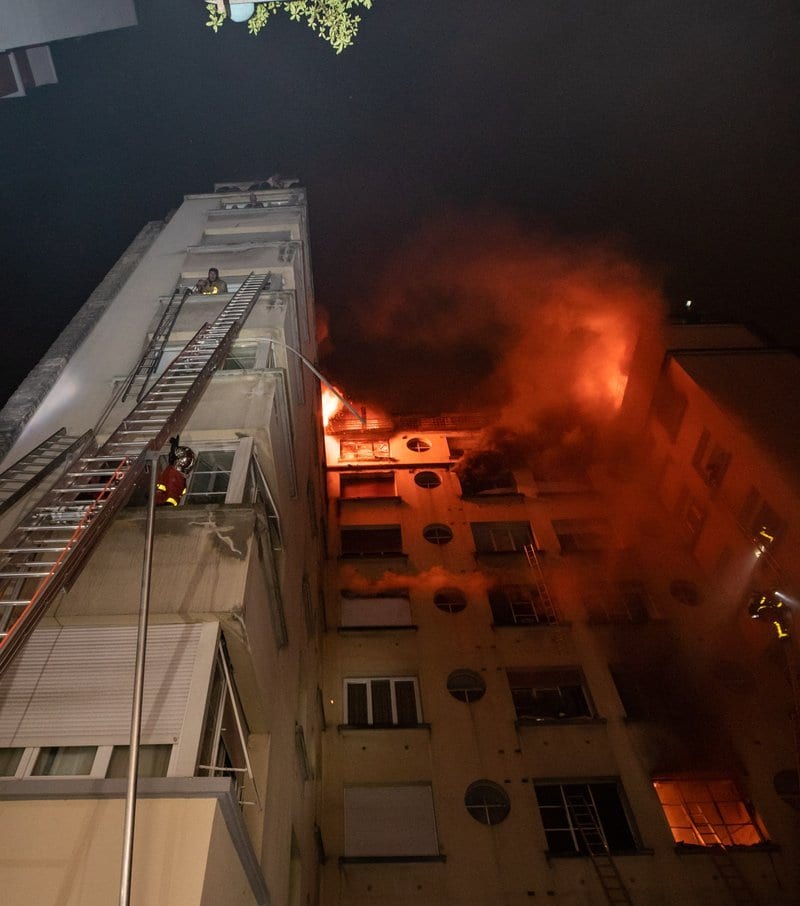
331 404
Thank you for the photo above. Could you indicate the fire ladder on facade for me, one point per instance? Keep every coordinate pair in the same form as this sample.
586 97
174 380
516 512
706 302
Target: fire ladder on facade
547 606
148 363
46 551
708 836
37 464
587 823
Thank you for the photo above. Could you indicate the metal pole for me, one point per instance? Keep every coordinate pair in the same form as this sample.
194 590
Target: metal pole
138 694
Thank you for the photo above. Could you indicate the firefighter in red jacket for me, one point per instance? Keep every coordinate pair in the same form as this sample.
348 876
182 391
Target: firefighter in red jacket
171 484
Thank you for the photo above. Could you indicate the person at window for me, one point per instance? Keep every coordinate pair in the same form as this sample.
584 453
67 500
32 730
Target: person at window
254 202
171 483
211 286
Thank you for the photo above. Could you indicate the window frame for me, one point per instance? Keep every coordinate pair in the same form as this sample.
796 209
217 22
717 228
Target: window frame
524 618
496 531
549 680
366 682
100 761
354 530
242 450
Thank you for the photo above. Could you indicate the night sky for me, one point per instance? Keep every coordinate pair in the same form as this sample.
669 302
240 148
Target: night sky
667 129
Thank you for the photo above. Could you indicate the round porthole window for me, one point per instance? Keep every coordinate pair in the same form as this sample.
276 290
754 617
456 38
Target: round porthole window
450 600
466 685
437 533
686 592
418 445
427 480
487 802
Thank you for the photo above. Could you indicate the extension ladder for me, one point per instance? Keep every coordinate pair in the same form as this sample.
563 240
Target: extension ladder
46 551
38 463
587 823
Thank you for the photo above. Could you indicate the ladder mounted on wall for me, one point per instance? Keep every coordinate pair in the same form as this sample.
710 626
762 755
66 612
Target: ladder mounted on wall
46 551
590 830
547 604
37 464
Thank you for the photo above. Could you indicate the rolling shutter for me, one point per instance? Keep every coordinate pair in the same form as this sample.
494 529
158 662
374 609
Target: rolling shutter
389 821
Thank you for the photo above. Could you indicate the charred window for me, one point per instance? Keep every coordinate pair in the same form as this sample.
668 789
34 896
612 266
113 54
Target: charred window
485 473
501 537
581 536
519 605
549 695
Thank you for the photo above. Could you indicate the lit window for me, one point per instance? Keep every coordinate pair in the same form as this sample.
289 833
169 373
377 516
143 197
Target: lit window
487 802
519 605
389 821
579 818
363 450
436 533
549 695
371 541
418 445
367 485
466 685
382 702
450 600
501 537
428 480
707 813
581 536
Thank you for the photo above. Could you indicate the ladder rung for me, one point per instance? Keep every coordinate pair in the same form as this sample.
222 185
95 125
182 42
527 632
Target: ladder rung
15 602
20 575
34 550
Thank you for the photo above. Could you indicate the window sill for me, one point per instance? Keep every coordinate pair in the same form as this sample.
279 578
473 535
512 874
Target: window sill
559 721
690 849
644 851
370 728
389 627
383 498
366 860
489 497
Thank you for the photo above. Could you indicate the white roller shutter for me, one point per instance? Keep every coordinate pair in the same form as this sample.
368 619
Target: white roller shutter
389 821
74 685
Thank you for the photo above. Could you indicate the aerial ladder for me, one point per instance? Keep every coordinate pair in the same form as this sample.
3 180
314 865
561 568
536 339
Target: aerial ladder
586 822
46 551
23 475
708 836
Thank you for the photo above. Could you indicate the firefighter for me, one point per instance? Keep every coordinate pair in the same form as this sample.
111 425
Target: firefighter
769 607
211 286
171 484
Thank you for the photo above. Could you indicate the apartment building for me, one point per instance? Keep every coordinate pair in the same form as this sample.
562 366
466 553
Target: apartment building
229 756
542 684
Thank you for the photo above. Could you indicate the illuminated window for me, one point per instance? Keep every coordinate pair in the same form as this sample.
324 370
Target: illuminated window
418 445
428 480
518 605
707 813
501 537
466 685
371 541
363 450
579 817
436 533
450 600
391 701
549 695
623 602
487 802
581 536
367 485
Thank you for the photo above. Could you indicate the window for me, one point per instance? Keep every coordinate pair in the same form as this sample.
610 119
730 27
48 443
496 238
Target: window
466 685
519 605
622 602
450 600
64 761
549 695
366 485
581 536
428 480
485 473
382 702
220 474
382 822
9 761
363 450
153 761
363 611
711 463
418 445
436 533
83 761
244 355
372 541
577 816
501 537
707 813
487 802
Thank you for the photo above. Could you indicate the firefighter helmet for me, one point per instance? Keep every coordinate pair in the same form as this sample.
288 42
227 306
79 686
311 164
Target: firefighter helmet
184 458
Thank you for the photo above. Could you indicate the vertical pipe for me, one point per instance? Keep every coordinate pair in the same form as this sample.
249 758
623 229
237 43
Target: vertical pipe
138 694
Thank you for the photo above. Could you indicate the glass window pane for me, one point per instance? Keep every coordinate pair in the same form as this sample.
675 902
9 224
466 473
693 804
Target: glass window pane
357 703
406 701
64 761
381 702
153 761
9 761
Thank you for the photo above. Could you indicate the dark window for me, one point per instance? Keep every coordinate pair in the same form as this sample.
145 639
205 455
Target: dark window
427 480
367 484
418 445
451 600
685 591
581 536
466 685
501 537
382 702
584 817
487 802
485 472
517 605
546 695
787 787
622 602
372 541
437 533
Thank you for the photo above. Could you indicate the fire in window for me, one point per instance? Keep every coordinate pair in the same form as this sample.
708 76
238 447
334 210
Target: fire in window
707 813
